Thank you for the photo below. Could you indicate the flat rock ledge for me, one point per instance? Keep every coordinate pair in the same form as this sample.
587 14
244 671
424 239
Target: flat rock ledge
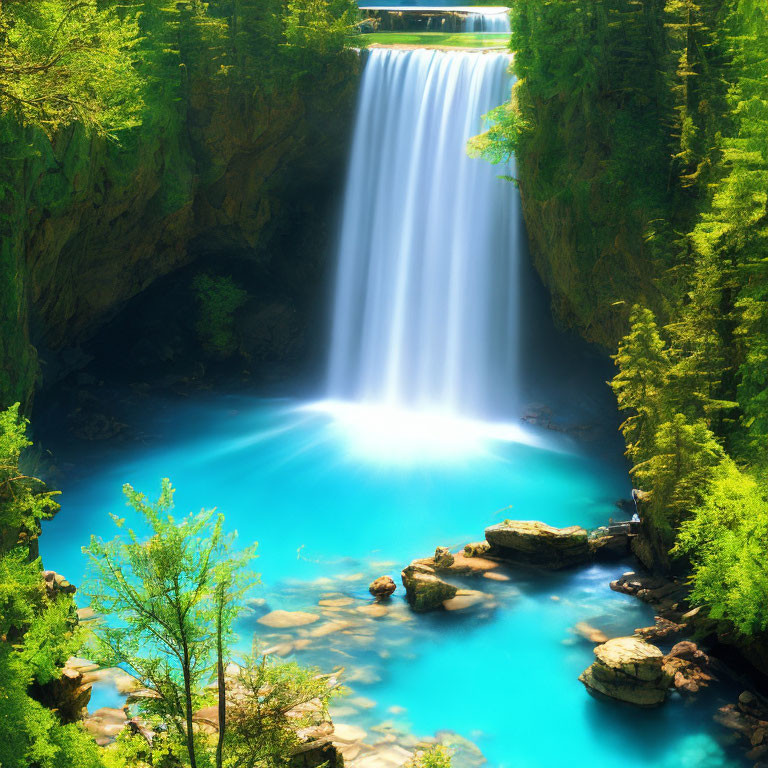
530 542
630 670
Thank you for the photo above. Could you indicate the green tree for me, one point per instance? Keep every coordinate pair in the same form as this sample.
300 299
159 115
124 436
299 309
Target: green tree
166 601
726 540
269 704
24 500
643 364
69 61
38 630
679 471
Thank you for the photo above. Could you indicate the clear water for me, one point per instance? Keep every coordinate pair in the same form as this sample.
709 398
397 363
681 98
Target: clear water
333 503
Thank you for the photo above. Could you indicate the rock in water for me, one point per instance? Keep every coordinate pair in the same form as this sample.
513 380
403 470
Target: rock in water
534 543
688 666
382 587
628 669
476 549
443 558
424 590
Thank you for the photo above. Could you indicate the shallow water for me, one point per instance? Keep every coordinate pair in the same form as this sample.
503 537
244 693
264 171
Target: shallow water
334 499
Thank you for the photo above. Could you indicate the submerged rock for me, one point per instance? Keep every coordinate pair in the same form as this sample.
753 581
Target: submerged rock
531 542
630 670
283 619
469 598
424 590
382 587
588 632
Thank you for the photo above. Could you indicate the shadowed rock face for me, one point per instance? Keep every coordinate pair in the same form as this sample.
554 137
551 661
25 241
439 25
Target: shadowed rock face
630 670
220 171
530 542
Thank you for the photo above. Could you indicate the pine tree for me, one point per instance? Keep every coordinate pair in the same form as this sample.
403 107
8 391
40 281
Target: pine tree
643 364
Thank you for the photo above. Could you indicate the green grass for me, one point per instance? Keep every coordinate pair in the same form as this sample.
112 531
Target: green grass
430 39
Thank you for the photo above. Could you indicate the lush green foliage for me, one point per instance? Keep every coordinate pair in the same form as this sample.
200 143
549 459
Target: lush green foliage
642 125
271 702
166 602
37 631
218 298
727 539
434 757
67 61
23 499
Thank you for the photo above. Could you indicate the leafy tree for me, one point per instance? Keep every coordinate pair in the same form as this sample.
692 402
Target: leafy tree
168 604
318 28
69 61
24 501
679 471
643 363
269 704
38 631
726 540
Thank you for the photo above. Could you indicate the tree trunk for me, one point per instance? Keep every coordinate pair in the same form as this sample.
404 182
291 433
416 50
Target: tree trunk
221 682
188 701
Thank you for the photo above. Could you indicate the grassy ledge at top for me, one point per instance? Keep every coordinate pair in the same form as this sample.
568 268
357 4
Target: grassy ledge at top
436 40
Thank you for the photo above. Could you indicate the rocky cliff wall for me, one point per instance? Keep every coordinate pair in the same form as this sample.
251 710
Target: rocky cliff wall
92 223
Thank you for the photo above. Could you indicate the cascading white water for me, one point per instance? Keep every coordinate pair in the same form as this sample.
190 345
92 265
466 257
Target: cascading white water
488 21
426 289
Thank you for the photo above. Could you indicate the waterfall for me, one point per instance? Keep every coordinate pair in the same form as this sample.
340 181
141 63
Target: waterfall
426 288
488 21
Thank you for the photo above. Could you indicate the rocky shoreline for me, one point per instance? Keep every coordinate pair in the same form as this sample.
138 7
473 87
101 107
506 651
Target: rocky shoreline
632 670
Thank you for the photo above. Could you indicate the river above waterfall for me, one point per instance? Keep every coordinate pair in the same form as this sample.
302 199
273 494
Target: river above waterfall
333 503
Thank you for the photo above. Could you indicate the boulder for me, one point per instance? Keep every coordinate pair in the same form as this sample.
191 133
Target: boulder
531 542
382 587
476 549
661 629
688 666
68 695
630 670
668 597
424 590
55 583
443 558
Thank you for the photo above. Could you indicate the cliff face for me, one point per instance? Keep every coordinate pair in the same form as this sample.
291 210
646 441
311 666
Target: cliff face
592 285
95 223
